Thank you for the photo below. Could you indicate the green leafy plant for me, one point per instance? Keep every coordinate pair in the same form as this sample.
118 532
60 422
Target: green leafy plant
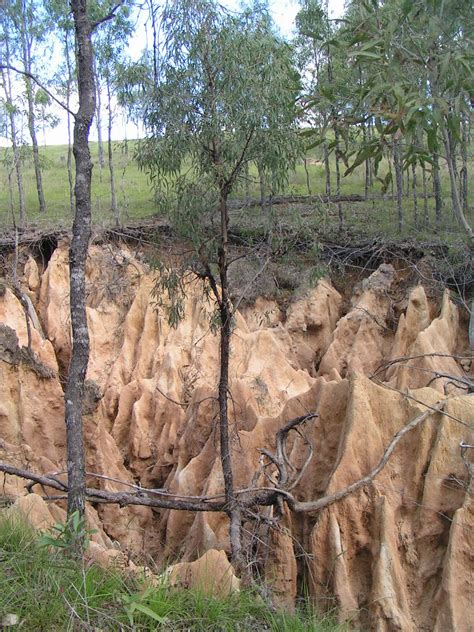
136 603
68 534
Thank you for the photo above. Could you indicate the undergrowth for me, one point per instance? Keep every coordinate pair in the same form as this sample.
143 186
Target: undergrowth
41 588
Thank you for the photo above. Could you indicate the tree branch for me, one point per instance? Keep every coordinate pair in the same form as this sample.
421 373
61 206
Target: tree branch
230 180
107 17
321 503
435 354
38 83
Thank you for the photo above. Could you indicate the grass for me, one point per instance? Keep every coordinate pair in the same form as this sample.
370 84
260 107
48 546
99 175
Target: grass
136 200
48 591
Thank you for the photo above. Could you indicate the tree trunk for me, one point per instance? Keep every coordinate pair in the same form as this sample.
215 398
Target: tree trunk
308 183
464 171
98 121
338 178
367 164
225 309
471 326
152 9
327 169
26 53
457 209
399 181
81 232
113 195
7 84
261 179
415 193
425 195
69 139
437 190
247 183
369 161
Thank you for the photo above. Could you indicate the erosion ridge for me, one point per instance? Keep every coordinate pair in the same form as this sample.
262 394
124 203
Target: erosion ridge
395 555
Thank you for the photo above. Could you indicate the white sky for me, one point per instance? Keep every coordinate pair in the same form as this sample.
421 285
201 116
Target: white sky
284 13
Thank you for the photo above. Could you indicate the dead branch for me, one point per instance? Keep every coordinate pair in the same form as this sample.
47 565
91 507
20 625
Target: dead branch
418 401
469 465
280 459
160 499
248 497
322 503
386 365
39 84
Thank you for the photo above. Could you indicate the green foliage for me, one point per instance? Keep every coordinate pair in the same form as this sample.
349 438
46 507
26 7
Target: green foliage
68 535
226 99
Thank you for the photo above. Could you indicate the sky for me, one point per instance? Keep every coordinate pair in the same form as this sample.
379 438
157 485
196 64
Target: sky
284 13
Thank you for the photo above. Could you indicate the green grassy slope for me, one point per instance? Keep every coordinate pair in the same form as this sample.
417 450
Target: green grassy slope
136 200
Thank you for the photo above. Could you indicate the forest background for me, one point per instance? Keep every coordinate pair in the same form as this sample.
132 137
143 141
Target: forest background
384 102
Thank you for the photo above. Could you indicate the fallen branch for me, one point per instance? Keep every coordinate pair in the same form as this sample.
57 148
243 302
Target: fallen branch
322 503
435 354
249 497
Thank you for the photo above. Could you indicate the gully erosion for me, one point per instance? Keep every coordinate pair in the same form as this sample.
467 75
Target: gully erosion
394 554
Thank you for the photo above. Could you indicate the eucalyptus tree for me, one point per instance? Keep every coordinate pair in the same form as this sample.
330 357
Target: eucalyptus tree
12 111
109 46
313 31
28 28
84 25
419 58
226 98
65 77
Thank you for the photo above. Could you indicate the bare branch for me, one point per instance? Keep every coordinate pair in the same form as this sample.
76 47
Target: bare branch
317 505
38 83
388 364
107 17
418 401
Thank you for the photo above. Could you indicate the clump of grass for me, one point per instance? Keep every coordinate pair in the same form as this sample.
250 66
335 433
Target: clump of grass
47 590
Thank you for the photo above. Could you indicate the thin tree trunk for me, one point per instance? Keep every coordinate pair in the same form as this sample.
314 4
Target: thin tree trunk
464 171
399 182
98 122
415 193
338 178
10 192
234 512
7 83
247 183
261 179
113 195
81 232
327 169
457 208
437 190
367 164
26 51
452 158
369 161
425 194
69 81
152 10
308 183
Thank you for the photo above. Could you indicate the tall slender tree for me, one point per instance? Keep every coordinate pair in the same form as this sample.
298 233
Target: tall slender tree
12 112
226 99
29 24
